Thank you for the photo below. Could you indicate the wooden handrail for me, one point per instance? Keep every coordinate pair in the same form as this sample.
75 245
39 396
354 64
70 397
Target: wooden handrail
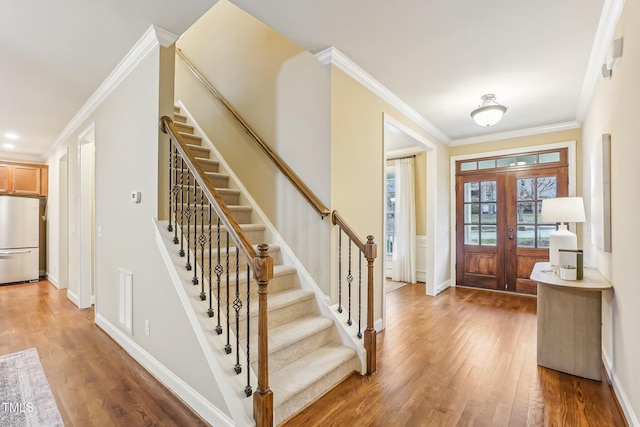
218 204
295 180
370 251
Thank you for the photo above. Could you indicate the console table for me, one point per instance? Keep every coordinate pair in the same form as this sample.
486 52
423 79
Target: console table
569 321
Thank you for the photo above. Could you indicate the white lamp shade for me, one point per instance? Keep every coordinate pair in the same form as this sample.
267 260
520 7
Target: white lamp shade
489 115
563 209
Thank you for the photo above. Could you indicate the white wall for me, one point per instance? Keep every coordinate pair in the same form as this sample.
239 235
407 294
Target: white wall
127 140
614 109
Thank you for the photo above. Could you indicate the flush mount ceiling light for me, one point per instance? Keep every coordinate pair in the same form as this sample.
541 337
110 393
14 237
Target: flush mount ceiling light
490 112
11 135
8 146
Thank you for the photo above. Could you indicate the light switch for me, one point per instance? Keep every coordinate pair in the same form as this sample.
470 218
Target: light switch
136 196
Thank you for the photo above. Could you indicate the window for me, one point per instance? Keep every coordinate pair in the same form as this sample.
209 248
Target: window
390 208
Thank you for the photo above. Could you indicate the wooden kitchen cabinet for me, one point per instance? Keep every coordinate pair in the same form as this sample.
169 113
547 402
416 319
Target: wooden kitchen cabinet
22 179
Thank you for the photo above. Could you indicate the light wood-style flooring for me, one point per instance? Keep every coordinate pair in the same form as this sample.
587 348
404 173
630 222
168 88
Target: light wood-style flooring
465 358
94 381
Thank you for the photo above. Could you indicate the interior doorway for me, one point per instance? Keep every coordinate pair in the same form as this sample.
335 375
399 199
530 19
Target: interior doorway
499 233
86 238
63 221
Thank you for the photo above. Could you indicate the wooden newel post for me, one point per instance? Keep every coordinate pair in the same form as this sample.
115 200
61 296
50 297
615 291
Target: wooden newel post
263 396
370 253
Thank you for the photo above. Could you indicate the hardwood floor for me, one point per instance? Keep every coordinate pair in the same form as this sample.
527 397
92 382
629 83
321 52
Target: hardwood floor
95 383
465 358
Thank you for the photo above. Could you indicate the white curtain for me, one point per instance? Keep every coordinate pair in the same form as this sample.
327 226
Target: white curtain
404 248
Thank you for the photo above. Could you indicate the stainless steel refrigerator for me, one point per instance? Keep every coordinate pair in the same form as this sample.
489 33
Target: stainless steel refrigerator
19 239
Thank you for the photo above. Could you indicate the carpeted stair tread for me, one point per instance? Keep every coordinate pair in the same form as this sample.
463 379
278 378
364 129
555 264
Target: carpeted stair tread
290 333
294 378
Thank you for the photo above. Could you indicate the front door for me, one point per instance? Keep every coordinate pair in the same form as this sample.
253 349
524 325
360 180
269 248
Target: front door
499 233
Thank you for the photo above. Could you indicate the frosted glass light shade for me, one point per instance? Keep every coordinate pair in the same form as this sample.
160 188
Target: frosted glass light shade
489 115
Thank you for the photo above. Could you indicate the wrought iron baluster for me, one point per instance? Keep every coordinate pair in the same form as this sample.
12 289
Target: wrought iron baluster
188 213
360 295
195 280
227 347
210 310
202 240
181 252
247 389
176 189
340 270
218 274
237 306
170 226
349 280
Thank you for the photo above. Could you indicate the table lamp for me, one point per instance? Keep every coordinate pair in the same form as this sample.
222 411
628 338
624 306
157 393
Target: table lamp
562 210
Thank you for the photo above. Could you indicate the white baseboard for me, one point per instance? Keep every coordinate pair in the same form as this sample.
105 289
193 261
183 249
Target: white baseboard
627 409
53 281
192 398
377 325
73 298
442 286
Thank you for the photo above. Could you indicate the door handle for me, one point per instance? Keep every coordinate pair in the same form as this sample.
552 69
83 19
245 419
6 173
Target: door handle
23 251
510 237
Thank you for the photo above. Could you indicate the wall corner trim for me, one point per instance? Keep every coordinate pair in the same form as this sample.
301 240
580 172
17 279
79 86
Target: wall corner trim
150 40
190 396
331 55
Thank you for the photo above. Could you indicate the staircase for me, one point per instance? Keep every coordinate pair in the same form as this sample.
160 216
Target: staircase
306 356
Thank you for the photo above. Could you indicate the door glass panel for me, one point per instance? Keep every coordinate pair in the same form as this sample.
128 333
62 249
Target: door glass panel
488 235
526 213
526 236
549 157
487 164
471 212
543 235
471 192
488 214
471 234
468 166
526 160
506 162
524 189
547 187
488 191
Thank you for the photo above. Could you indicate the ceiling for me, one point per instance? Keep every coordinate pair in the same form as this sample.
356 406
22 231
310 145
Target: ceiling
438 57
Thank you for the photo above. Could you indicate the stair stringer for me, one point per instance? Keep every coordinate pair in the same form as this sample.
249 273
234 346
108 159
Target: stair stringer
347 333
240 406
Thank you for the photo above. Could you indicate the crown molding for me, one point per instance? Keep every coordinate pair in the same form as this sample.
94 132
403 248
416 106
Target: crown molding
151 39
333 56
18 156
515 133
404 152
611 11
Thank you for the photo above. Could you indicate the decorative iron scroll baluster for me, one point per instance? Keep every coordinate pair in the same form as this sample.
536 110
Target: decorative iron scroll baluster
176 189
218 274
349 280
340 270
202 240
247 389
195 280
188 213
181 206
227 347
360 294
170 226
210 310
237 306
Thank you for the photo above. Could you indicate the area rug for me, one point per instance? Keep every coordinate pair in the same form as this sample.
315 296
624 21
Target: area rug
25 395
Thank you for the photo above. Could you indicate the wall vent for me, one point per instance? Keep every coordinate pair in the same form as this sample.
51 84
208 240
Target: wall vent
125 299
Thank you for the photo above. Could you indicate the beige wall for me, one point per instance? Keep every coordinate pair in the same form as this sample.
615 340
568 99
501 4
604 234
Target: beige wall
127 152
614 109
282 92
357 158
